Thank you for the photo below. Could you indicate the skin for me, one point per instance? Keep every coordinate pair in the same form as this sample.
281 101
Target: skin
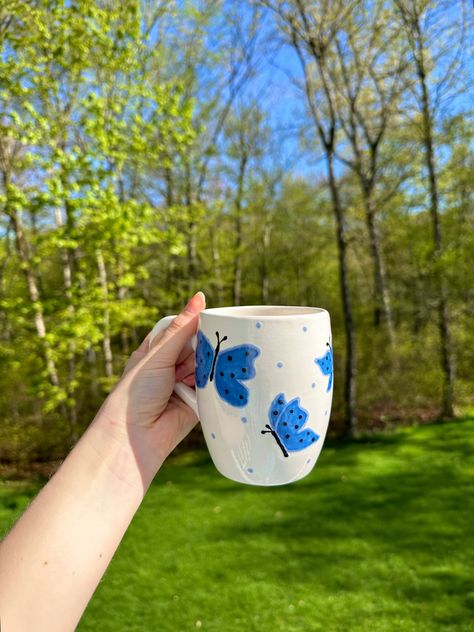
54 557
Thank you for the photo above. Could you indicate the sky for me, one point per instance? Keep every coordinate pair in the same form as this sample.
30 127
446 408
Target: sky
278 88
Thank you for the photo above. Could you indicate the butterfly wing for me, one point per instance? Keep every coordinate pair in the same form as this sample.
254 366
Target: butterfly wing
234 366
276 408
290 427
326 365
204 358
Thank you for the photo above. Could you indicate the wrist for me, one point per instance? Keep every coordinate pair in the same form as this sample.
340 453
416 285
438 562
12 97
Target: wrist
125 450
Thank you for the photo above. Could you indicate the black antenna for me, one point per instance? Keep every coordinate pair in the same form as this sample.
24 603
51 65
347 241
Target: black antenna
216 352
276 437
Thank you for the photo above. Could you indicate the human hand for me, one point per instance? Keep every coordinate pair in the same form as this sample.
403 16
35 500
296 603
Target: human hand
142 412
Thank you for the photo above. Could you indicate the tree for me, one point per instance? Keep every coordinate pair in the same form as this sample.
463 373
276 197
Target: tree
367 83
417 18
311 31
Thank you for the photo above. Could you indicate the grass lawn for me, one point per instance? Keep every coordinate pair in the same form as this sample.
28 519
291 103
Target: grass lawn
380 537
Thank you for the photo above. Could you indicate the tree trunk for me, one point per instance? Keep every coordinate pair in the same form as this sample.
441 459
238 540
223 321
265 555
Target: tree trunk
264 278
327 136
191 241
122 293
383 306
216 264
71 361
106 344
23 251
169 187
350 366
94 381
40 326
447 406
237 284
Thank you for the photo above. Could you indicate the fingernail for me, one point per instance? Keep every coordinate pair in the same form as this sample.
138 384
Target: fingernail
196 303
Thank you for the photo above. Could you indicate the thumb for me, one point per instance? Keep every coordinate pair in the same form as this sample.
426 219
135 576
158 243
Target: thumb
166 350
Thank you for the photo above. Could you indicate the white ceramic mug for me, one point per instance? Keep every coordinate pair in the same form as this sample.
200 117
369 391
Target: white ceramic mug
264 384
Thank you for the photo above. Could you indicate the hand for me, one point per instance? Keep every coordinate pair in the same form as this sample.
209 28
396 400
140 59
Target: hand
142 412
57 552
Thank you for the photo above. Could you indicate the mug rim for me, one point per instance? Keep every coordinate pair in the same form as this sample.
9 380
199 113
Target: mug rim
264 312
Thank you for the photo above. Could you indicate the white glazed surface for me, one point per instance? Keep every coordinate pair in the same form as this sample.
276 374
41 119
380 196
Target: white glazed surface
293 337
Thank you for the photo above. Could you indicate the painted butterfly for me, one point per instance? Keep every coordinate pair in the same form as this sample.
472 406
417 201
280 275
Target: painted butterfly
287 420
227 368
326 365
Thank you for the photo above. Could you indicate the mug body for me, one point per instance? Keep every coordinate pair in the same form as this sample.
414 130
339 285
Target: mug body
264 384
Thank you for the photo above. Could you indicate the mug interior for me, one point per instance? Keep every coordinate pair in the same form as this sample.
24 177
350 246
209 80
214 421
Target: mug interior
263 311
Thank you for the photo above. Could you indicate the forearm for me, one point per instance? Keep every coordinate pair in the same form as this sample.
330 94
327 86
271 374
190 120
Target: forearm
54 558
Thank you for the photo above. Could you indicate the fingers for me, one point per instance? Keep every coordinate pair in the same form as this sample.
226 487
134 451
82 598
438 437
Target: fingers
139 353
185 368
173 345
186 351
168 349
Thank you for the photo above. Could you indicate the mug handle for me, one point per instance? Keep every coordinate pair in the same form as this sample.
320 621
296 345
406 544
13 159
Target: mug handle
186 393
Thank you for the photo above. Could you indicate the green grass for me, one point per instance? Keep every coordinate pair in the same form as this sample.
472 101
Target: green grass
380 537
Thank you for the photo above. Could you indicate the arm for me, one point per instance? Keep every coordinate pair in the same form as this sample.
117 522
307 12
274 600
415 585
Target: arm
56 554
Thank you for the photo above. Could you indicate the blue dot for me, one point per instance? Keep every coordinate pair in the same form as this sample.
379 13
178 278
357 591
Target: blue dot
313 385
305 328
213 435
258 325
326 412
250 470
308 461
243 420
279 364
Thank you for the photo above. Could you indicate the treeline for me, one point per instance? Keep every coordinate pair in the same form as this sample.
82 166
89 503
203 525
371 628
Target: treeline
273 152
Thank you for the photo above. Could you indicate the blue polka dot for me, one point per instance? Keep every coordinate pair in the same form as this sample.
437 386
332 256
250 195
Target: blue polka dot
213 435
258 325
243 420
326 412
250 470
279 365
308 461
313 385
305 328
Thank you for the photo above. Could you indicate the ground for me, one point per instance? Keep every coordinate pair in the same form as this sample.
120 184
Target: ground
378 537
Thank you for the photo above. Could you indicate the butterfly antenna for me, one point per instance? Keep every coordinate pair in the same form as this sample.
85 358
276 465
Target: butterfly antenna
219 341
216 352
276 437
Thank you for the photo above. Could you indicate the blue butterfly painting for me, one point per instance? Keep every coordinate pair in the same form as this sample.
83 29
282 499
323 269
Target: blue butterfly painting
287 421
326 365
227 368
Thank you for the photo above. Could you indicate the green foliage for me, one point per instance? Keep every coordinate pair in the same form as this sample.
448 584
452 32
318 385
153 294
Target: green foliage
137 168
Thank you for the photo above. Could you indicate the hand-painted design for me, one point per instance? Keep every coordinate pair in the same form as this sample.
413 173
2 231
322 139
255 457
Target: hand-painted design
229 367
287 420
326 364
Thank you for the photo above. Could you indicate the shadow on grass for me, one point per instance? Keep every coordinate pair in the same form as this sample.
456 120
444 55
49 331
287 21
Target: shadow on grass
396 507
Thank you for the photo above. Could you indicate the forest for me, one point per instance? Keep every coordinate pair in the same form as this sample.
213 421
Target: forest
281 152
